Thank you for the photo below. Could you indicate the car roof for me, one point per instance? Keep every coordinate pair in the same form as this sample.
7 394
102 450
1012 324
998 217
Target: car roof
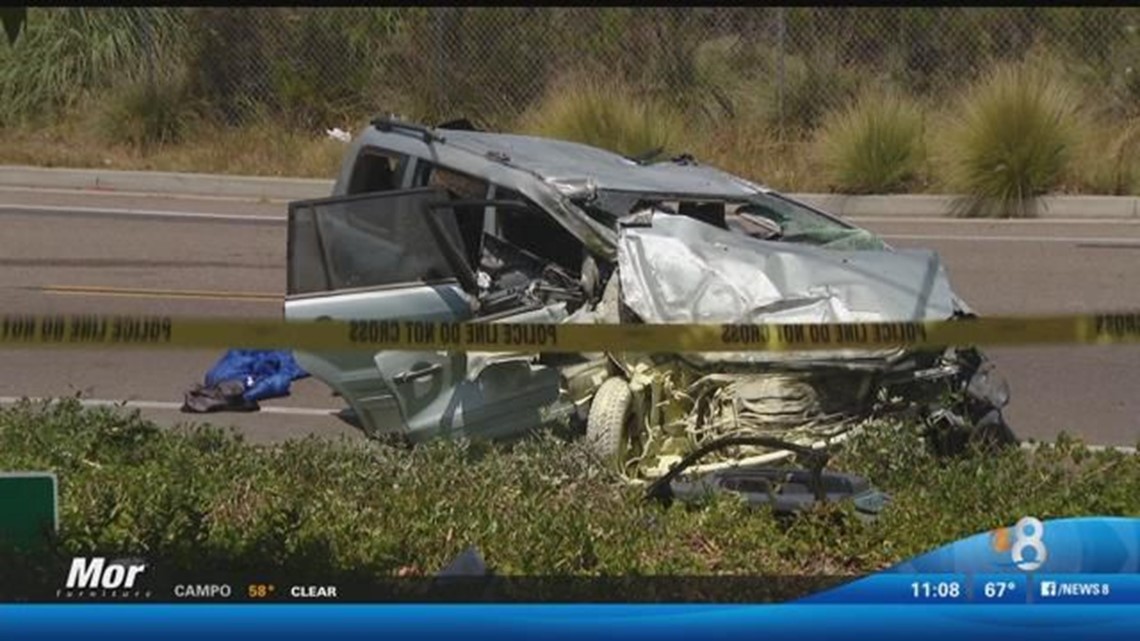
561 160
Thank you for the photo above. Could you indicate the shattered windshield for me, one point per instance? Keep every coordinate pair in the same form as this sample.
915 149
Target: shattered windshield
802 224
795 222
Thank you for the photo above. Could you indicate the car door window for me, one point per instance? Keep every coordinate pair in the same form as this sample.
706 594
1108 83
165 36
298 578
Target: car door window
377 170
368 241
459 186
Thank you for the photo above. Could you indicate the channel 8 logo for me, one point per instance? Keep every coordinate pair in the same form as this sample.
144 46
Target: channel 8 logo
1023 542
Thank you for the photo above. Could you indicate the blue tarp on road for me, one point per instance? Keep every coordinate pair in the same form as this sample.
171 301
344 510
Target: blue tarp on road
264 374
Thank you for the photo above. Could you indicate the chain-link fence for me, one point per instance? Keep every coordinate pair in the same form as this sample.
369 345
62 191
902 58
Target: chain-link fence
314 67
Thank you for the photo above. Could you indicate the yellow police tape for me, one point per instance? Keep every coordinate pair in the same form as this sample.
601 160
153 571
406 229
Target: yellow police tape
125 331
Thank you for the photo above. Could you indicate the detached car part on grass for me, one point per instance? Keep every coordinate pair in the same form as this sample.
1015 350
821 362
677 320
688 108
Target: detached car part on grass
459 225
784 491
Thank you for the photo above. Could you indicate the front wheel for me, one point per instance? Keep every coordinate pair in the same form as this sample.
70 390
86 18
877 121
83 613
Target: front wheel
611 420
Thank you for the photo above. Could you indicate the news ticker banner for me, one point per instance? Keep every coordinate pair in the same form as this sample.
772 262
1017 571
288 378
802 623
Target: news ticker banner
1040 579
118 331
1038 563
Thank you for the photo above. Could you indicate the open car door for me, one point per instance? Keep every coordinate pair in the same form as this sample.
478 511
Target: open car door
400 256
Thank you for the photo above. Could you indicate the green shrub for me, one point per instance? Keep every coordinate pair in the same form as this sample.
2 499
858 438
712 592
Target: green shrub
198 498
874 146
486 64
604 114
311 68
792 96
147 113
64 53
1011 141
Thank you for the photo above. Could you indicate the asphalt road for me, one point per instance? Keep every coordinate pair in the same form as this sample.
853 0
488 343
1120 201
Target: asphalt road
63 252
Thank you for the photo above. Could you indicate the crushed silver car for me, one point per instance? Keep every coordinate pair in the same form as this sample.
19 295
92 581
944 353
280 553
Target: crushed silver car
452 224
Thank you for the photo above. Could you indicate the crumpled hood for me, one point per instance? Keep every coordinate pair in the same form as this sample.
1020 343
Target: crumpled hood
679 270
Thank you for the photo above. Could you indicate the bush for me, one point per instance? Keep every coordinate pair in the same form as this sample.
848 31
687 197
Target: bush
147 113
198 498
874 146
813 86
1011 141
753 149
486 64
604 114
310 67
64 54
734 78
1109 159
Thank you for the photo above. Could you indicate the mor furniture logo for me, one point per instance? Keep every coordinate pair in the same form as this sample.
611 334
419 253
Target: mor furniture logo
97 578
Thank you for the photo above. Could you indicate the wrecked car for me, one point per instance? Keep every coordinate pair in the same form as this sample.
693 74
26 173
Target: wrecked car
450 224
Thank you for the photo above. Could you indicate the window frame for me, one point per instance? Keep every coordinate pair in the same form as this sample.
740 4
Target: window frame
326 277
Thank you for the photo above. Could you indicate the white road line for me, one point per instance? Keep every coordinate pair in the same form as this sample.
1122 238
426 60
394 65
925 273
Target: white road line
110 193
164 405
141 213
1117 241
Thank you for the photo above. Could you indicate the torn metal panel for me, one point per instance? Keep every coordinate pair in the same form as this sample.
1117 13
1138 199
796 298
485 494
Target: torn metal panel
679 270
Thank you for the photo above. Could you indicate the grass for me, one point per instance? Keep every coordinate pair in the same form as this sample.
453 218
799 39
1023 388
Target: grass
604 114
1011 140
278 77
333 509
1108 159
1017 134
258 149
875 146
755 150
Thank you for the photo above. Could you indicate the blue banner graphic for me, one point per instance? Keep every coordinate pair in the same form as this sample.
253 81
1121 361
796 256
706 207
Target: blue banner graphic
1079 560
1063 579
566 622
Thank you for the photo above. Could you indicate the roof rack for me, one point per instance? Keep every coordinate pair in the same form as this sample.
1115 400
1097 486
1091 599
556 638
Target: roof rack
389 124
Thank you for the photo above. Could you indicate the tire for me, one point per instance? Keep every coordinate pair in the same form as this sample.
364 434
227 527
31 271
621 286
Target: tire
611 412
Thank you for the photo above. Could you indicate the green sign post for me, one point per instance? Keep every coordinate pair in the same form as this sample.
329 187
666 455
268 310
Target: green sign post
29 507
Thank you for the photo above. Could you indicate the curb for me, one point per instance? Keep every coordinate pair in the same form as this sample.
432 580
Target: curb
153 182
264 188
940 206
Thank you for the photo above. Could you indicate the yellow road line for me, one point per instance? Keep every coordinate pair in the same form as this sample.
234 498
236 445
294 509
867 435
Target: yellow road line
72 290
